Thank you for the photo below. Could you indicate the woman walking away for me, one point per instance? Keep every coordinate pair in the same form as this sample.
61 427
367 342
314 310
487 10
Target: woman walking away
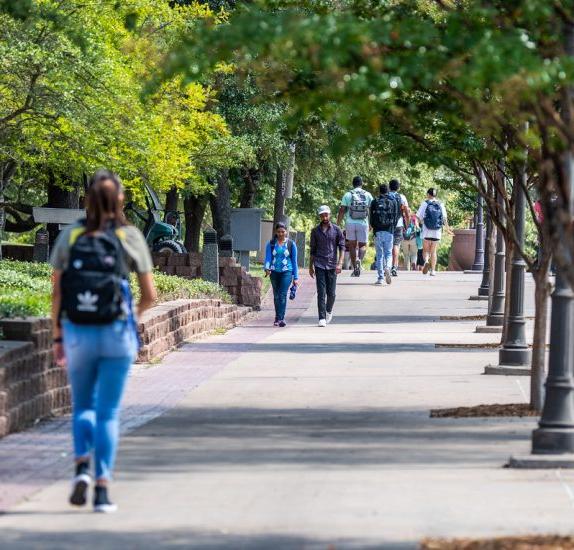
409 244
94 326
281 266
432 214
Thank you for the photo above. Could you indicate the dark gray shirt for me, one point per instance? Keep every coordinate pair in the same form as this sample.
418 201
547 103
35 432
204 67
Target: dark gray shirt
324 245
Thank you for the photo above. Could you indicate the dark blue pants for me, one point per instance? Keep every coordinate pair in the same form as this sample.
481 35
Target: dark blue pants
280 281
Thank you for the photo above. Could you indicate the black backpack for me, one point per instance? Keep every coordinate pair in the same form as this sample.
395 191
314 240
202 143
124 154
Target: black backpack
93 283
386 212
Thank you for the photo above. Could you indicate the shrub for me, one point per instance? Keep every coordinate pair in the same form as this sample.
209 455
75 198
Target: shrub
25 289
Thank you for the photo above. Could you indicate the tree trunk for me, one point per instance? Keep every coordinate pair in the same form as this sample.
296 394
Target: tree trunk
251 178
172 199
7 170
279 208
60 198
220 204
510 250
194 212
537 375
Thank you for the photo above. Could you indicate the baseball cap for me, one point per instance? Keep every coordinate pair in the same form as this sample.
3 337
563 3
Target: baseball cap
323 209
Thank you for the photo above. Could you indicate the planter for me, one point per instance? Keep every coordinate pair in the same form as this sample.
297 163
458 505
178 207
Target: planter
462 250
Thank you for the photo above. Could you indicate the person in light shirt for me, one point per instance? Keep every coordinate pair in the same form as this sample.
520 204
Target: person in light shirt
432 216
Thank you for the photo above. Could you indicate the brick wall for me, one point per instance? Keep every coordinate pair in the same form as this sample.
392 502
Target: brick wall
168 325
32 387
242 287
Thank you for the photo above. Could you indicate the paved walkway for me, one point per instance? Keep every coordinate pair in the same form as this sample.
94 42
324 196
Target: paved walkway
306 437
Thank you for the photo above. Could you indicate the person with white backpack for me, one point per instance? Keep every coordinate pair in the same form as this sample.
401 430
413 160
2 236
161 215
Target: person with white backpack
432 215
355 206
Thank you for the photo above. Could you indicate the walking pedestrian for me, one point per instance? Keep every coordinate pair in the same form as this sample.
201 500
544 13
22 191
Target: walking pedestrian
327 250
355 207
409 245
281 266
95 328
385 213
432 214
394 186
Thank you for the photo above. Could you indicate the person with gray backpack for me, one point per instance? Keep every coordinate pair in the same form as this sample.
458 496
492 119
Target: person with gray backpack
432 215
385 214
355 206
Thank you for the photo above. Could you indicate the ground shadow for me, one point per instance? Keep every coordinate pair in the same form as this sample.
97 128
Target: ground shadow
13 539
194 439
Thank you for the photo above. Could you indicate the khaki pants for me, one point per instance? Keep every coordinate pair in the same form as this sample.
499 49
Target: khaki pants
409 253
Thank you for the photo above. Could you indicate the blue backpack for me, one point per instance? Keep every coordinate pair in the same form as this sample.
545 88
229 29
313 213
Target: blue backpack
433 215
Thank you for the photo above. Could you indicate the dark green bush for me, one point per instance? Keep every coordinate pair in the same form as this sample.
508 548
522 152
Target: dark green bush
25 289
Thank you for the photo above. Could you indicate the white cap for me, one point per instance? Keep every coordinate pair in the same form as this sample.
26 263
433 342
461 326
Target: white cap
323 209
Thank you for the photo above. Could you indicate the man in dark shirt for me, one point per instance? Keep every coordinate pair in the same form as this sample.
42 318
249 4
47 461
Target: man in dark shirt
327 252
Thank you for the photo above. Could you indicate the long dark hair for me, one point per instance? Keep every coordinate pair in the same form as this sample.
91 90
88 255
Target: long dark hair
103 201
278 225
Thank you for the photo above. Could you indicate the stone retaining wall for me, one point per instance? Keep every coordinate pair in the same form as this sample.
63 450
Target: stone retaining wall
241 286
168 325
32 387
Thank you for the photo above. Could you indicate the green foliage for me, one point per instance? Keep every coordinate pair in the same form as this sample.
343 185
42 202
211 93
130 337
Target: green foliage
26 289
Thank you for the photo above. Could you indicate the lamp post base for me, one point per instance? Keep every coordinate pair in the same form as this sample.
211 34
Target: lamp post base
495 320
515 357
542 462
507 370
483 291
553 441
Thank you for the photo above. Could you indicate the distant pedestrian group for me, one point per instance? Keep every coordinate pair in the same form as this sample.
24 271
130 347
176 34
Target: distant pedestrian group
394 228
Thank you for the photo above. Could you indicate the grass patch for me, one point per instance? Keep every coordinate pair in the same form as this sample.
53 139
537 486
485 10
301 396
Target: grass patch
26 289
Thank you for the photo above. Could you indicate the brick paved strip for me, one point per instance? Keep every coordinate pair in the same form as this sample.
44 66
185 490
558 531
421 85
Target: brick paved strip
38 457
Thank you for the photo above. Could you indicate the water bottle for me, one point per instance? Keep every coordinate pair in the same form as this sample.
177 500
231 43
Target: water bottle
292 292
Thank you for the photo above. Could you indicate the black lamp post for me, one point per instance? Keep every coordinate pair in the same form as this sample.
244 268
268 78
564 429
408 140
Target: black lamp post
478 263
495 317
484 288
515 351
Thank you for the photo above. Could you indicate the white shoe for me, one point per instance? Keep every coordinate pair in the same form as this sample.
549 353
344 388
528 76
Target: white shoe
432 273
322 322
329 317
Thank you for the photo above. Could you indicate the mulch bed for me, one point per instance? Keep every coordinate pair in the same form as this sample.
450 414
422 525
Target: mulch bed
541 542
509 409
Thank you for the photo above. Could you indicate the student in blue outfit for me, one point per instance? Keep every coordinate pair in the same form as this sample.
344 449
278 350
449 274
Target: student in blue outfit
281 266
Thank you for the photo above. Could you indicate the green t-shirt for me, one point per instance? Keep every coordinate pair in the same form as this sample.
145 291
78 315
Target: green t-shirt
347 201
133 241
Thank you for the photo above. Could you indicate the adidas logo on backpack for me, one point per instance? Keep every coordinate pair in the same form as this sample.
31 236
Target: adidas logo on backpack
87 301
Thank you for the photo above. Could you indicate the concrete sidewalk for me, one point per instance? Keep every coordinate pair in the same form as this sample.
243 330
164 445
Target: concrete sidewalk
313 437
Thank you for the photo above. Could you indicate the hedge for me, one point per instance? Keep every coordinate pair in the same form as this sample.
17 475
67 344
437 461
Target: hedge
25 288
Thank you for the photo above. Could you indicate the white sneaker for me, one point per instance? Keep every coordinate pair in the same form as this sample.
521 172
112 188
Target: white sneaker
322 322
329 317
432 273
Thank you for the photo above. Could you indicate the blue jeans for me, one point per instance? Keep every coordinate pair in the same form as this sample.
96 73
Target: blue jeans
384 248
99 359
280 281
